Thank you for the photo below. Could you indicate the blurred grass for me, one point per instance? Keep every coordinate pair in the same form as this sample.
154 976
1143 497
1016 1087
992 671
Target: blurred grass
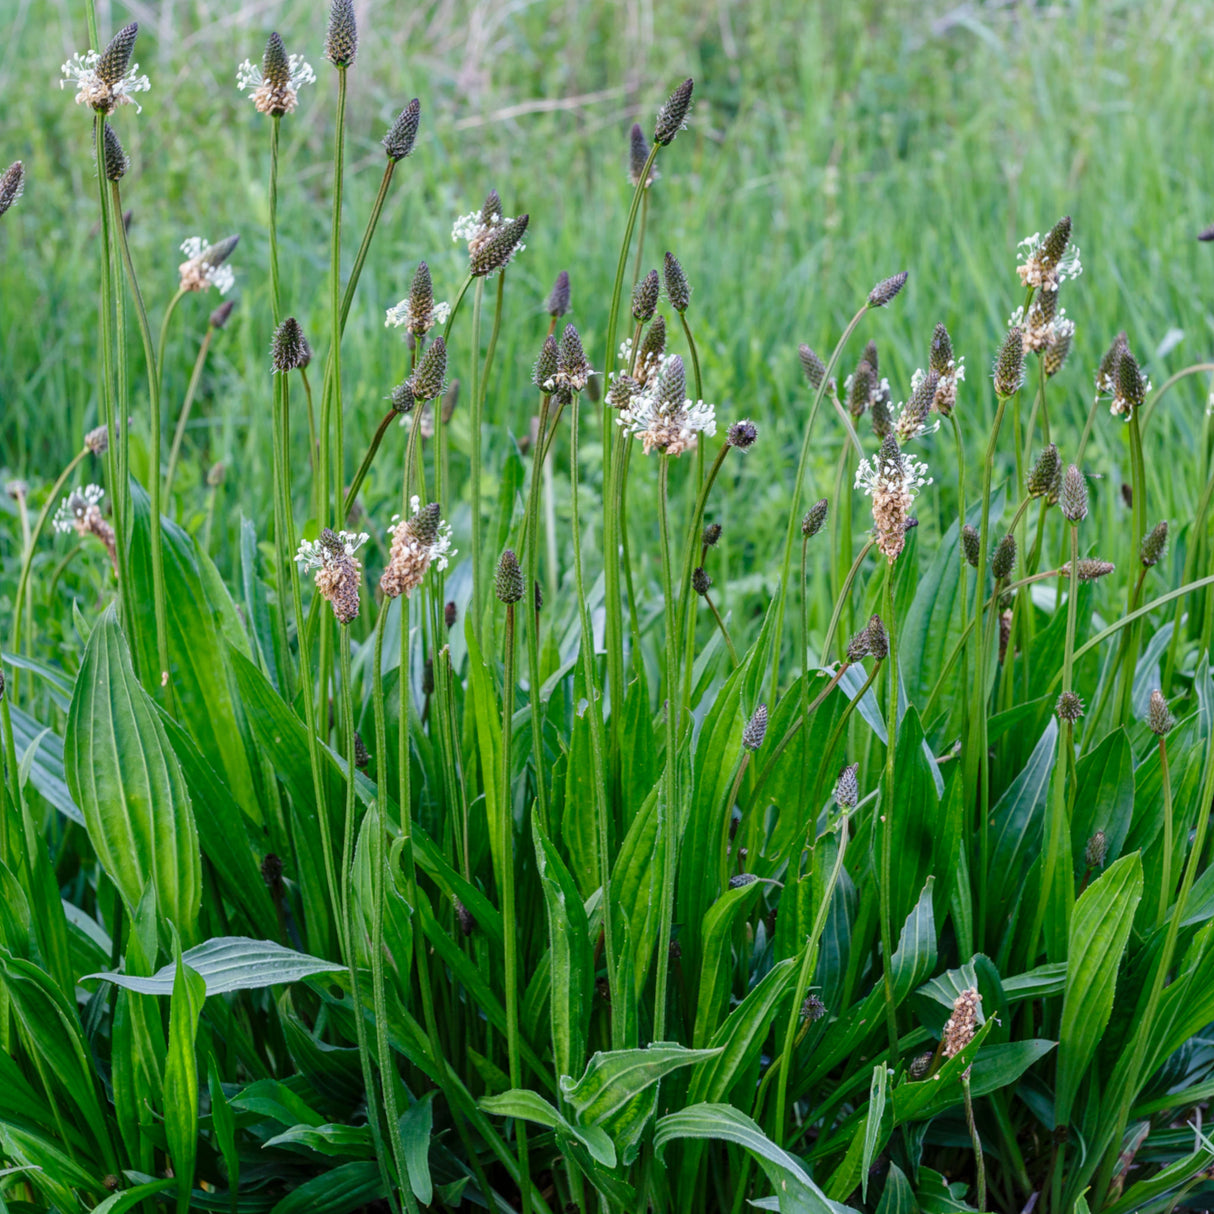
830 146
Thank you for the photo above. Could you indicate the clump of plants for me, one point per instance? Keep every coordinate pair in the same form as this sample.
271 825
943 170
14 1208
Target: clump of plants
469 850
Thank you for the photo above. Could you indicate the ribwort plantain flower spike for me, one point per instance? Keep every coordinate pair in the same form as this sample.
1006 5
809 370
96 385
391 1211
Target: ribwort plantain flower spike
1088 569
881 417
449 614
338 575
274 87
663 418
1046 263
114 162
1106 371
949 369
1154 545
1073 500
1069 707
80 511
755 730
813 1009
508 582
712 533
812 365
651 355
559 297
418 542
742 435
1044 472
97 440
878 638
672 117
544 371
638 154
961 1026
362 758
858 647
678 290
814 518
289 350
219 317
341 42
1096 850
107 80
573 370
885 291
1058 351
206 264
402 134
1003 559
645 297
892 480
430 377
418 312
1159 719
1009 364
912 419
1130 386
970 544
847 787
700 581
500 247
860 388
12 185
402 398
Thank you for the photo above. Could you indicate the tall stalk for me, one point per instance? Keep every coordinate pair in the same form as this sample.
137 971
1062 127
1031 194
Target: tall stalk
275 289
331 403
187 405
145 332
888 786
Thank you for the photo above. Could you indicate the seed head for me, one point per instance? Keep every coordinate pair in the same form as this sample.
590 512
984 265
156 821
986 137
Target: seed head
572 368
116 57
1159 720
1069 707
712 533
508 581
1009 363
402 134
812 365
11 185
700 581
847 787
742 435
672 117
1074 496
941 354
496 251
970 544
449 615
814 518
1154 544
677 289
430 376
645 297
863 381
1003 559
858 647
920 1065
341 44
961 1026
878 638
559 297
114 162
98 440
362 758
402 398
289 349
219 317
1096 850
638 154
1087 570
544 370
884 292
755 729
739 880
813 1008
1044 472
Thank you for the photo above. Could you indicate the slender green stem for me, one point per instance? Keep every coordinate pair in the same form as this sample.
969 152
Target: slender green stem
636 265
809 959
145 332
1087 431
1138 530
31 546
716 615
164 327
979 1164
1165 882
840 725
727 822
332 400
275 289
187 405
794 516
509 915
474 463
368 233
1173 379
357 483
695 356
1197 531
887 814
844 592
668 807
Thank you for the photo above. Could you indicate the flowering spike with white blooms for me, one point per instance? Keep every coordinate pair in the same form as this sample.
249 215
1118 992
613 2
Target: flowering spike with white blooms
80 512
1039 267
893 480
912 420
418 542
338 574
274 86
663 418
945 398
93 90
206 265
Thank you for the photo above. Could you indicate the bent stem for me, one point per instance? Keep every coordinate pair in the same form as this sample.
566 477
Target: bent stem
145 332
187 405
844 593
357 483
164 327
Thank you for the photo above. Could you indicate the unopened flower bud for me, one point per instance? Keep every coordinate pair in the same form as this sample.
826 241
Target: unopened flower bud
672 117
742 435
495 252
940 358
402 398
289 349
878 638
884 292
858 646
114 160
1073 499
362 758
970 544
812 365
700 581
739 880
1069 707
341 44
1154 544
219 317
399 140
638 155
1044 472
1003 559
813 1008
1159 719
863 382
677 289
814 518
755 729
430 376
449 614
508 582
1096 850
712 533
12 184
1009 363
847 787
645 297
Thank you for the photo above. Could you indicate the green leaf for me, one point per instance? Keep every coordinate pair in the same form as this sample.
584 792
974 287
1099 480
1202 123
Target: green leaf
797 1193
339 1191
126 779
341 1141
1100 929
572 975
416 1126
897 1197
128 1199
46 770
718 963
531 1106
1104 799
223 1125
230 963
181 1078
872 1125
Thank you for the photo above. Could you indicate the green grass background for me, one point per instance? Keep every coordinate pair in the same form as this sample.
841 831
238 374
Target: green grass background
830 145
